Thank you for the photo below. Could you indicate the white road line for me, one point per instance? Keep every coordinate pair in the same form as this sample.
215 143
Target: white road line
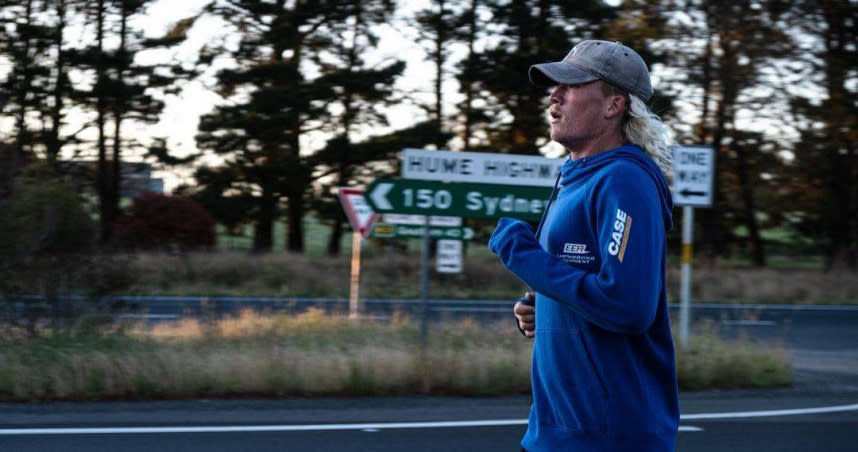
258 428
770 413
390 425
749 322
370 428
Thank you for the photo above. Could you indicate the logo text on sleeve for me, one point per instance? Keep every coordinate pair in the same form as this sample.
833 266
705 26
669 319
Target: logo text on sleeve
620 235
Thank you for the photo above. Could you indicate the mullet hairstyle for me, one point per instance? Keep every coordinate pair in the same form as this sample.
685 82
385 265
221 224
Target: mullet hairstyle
644 128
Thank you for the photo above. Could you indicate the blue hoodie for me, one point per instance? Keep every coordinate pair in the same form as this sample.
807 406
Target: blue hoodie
603 373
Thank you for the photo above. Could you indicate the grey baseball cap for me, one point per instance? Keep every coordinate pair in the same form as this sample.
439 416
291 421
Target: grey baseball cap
592 60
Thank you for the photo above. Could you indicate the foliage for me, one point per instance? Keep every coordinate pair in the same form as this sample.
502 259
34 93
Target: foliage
43 216
710 362
306 94
46 253
825 168
165 222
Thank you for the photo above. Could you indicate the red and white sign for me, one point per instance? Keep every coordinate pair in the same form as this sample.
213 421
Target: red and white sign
360 214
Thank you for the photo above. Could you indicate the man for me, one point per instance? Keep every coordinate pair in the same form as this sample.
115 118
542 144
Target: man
603 375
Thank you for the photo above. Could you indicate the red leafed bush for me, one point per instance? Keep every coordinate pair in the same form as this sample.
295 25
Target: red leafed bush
157 221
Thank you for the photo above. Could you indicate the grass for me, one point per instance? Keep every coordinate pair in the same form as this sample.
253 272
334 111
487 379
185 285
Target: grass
312 354
391 274
711 362
272 356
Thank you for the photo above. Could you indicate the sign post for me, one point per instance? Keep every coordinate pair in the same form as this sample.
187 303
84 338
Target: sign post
361 217
485 186
693 177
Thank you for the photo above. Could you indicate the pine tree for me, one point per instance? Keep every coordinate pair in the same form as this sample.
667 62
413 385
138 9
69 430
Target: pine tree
826 157
273 103
25 41
123 90
730 74
363 93
528 32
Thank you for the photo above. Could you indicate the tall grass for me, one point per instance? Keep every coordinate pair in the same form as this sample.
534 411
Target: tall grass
711 362
313 354
251 355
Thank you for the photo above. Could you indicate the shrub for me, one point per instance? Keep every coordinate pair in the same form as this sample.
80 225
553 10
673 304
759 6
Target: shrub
157 221
43 216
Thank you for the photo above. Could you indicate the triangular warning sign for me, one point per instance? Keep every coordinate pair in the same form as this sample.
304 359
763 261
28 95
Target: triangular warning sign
358 211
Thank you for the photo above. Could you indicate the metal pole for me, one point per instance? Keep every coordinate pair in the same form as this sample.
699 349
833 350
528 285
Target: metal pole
354 286
424 284
685 282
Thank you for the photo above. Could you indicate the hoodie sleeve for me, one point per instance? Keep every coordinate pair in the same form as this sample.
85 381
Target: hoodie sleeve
623 296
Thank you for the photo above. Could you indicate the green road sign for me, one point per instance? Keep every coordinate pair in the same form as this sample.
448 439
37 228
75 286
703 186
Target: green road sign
457 199
403 230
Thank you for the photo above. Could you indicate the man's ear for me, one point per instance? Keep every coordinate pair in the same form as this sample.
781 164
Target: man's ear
616 107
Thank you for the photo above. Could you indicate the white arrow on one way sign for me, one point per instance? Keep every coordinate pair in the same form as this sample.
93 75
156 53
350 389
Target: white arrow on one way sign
379 196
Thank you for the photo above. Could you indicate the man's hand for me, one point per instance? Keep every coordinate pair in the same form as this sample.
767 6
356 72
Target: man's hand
526 315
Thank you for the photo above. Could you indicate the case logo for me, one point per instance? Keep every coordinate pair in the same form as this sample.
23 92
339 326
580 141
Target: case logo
620 236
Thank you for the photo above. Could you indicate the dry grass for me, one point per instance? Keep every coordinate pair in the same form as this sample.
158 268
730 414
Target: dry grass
710 362
305 355
395 275
317 355
773 286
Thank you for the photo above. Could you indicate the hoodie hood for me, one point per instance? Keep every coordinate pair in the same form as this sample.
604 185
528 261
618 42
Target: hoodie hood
577 171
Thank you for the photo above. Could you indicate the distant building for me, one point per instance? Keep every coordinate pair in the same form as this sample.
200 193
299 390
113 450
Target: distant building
136 177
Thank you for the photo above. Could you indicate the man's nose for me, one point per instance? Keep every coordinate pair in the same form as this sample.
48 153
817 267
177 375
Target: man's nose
555 96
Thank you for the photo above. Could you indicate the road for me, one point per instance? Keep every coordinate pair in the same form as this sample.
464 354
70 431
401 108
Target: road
712 421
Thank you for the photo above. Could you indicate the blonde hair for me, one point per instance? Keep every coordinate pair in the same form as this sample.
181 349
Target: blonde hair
644 128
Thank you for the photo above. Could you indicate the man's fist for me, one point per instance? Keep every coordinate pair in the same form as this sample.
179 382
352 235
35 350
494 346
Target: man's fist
526 315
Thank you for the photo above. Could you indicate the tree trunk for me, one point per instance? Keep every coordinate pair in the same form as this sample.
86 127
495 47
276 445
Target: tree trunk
706 83
102 177
841 249
53 141
336 237
439 59
295 238
755 242
118 101
23 90
263 233
468 82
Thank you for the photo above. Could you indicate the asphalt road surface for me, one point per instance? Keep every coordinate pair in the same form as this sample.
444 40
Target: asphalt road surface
782 420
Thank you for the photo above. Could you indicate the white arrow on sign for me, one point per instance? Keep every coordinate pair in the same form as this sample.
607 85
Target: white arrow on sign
379 196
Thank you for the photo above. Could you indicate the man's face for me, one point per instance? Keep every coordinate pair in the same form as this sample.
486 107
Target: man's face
578 113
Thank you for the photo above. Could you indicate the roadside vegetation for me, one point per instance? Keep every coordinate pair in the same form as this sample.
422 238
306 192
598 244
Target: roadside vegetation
389 273
314 354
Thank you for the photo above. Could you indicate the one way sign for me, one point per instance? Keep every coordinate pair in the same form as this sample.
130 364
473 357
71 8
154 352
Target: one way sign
693 176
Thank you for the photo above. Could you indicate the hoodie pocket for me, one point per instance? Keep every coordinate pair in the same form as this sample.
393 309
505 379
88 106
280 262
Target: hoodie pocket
573 389
594 370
